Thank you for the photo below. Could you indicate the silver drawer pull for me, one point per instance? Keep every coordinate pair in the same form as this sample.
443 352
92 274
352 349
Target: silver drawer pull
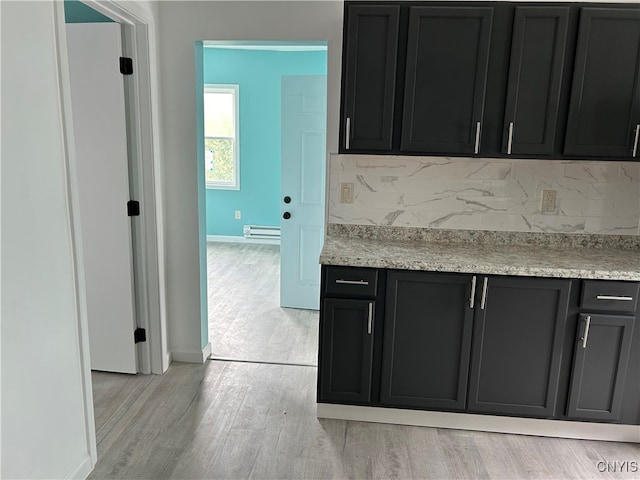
347 136
473 291
483 301
614 297
352 282
510 144
587 324
476 148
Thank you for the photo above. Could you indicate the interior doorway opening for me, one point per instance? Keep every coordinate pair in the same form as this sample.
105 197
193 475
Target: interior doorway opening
265 231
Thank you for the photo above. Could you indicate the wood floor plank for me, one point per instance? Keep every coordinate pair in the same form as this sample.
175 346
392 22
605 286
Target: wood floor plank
245 318
110 391
241 420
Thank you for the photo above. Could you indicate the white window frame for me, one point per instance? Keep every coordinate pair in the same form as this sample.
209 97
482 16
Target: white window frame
235 91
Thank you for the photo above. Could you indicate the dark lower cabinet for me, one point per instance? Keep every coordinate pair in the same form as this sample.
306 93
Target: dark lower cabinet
600 364
446 76
346 350
517 347
604 113
480 344
427 340
535 75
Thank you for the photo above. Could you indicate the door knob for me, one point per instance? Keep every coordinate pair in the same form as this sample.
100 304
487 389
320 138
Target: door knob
287 199
286 215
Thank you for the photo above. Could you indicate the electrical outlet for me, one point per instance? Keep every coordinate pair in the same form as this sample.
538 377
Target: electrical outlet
238 215
346 193
548 203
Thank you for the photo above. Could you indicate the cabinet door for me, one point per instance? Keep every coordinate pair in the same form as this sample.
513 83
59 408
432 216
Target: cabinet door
517 346
604 112
370 77
446 76
346 349
427 340
535 74
600 366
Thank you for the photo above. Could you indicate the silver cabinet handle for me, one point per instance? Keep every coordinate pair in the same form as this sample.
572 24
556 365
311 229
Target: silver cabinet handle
477 147
483 302
370 321
587 323
614 297
347 139
635 142
510 144
473 291
352 282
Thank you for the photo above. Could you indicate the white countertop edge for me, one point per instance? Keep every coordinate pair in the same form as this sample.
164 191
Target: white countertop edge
486 423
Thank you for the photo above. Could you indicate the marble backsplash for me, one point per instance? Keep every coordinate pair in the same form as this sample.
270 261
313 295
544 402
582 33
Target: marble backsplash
486 194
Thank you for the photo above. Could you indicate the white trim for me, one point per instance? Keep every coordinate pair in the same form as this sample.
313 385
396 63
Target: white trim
82 470
234 239
234 89
192 357
485 423
73 206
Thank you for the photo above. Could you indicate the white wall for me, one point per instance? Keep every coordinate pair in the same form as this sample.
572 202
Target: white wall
47 427
181 24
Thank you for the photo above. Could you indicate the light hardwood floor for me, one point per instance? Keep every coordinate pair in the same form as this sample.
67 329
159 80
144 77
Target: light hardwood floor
245 420
228 420
245 318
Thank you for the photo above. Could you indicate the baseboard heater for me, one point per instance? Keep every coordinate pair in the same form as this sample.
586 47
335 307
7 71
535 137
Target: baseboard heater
262 232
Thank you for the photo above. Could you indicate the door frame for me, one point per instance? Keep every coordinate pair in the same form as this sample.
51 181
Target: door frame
141 90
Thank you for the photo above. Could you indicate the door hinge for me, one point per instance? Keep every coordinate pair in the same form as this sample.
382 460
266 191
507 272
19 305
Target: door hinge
133 208
126 66
140 335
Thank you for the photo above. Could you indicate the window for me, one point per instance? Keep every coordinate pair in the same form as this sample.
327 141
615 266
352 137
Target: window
221 159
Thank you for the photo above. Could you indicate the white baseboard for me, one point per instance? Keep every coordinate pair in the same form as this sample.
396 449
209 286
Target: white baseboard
83 469
485 423
206 352
192 357
232 239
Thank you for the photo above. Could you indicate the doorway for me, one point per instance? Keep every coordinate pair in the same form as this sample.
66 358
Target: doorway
261 224
145 238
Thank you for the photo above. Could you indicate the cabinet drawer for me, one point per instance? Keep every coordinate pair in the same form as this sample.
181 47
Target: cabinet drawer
351 281
609 296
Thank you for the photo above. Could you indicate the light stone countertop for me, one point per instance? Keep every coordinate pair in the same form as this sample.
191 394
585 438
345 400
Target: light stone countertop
484 258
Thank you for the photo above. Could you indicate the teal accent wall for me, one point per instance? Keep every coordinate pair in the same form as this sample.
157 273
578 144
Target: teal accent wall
77 12
258 74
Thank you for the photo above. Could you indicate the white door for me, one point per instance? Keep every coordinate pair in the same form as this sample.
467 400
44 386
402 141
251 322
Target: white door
304 101
98 111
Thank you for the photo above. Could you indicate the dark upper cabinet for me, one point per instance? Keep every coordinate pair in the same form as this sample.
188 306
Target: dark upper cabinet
518 337
496 79
601 359
371 48
427 340
538 47
446 76
346 350
604 112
